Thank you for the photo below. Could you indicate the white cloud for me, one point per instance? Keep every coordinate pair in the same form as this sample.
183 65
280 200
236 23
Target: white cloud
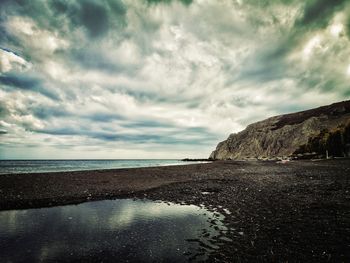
10 61
348 70
33 37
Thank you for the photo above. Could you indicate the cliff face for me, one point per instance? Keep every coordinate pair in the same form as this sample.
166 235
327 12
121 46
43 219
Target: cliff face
318 131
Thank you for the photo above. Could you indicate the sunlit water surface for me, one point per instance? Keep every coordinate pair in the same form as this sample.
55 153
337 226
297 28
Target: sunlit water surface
122 230
40 166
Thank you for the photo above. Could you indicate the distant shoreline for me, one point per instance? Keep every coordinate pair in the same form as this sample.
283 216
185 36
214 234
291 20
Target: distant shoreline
70 165
197 160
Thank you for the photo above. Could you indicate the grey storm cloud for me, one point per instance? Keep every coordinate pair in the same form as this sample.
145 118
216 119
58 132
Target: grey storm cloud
97 17
27 82
318 12
186 2
138 138
162 78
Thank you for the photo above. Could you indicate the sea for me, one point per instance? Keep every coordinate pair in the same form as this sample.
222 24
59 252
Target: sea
40 166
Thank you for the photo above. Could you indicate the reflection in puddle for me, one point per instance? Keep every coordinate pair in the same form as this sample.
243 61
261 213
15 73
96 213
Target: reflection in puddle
110 231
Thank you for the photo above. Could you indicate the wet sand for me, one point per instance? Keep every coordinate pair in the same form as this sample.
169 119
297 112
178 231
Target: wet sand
298 211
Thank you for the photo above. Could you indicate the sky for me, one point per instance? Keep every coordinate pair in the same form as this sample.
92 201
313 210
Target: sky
124 79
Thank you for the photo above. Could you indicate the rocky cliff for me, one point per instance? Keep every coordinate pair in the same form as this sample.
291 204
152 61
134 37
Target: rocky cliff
316 132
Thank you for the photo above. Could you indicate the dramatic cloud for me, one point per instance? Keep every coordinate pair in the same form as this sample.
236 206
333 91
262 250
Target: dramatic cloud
161 78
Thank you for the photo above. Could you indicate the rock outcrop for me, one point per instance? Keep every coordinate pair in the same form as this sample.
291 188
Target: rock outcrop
317 132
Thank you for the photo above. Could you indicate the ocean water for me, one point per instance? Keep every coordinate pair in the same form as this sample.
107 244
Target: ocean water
121 230
38 166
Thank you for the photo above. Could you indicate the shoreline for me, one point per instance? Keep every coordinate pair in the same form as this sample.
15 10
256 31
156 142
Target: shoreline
21 190
294 211
60 168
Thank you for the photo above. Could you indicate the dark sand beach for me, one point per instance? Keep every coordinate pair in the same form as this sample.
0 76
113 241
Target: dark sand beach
294 211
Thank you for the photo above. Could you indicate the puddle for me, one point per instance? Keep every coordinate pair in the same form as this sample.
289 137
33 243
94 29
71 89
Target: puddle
123 230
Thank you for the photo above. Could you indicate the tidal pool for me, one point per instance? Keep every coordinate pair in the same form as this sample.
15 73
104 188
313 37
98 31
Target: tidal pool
122 230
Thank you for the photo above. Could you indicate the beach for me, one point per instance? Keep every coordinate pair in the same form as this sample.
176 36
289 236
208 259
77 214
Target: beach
293 211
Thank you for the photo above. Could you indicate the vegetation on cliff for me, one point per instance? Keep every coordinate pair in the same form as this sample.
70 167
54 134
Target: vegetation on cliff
329 143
